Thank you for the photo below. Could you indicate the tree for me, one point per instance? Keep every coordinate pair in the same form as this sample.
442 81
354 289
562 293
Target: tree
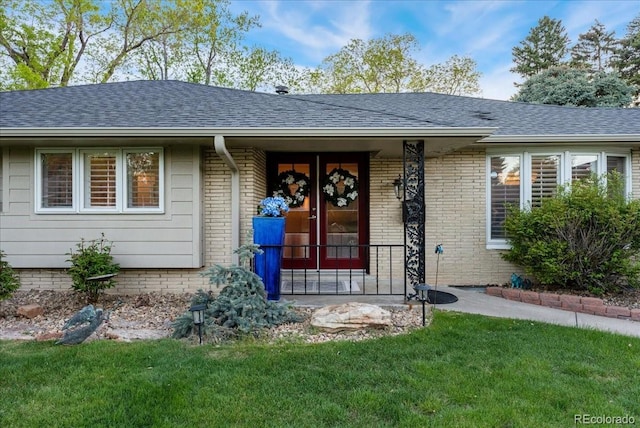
386 65
570 86
210 51
546 46
136 23
43 42
456 76
594 48
257 68
377 65
626 60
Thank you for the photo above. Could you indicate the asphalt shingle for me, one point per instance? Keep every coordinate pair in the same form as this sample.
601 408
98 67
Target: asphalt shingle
162 104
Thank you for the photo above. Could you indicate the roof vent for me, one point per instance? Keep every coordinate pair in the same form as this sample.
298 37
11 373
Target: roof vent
282 90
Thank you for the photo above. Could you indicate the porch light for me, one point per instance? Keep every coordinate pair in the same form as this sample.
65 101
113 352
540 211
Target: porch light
197 312
398 187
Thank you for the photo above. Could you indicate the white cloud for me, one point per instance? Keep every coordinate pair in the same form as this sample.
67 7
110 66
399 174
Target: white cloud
318 28
498 83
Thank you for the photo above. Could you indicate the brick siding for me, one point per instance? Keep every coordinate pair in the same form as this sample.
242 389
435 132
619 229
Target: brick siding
568 302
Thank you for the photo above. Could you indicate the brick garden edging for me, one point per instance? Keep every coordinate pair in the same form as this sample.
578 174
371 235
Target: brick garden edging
568 302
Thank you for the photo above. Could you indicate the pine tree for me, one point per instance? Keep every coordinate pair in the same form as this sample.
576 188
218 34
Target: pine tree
241 307
546 46
626 60
594 48
575 87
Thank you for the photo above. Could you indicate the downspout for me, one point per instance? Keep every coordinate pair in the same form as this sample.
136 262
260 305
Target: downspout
221 150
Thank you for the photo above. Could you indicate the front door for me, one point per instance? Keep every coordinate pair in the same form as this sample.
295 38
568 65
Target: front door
327 222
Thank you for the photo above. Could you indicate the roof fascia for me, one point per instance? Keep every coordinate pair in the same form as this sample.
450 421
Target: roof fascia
244 132
563 138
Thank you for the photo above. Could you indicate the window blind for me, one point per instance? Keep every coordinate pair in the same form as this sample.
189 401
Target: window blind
57 180
100 188
545 174
505 191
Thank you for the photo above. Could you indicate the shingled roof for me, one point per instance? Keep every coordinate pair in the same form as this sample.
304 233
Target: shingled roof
174 104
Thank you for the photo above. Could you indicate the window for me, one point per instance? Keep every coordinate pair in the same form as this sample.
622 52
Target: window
582 166
100 180
107 180
143 179
541 175
505 191
545 177
56 180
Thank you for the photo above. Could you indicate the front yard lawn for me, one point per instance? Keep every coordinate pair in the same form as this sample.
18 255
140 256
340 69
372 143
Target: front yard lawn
463 370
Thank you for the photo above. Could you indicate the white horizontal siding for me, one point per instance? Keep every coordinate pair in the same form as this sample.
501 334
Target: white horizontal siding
166 240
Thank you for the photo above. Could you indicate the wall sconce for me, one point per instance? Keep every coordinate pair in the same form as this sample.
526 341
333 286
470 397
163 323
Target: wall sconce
398 187
197 311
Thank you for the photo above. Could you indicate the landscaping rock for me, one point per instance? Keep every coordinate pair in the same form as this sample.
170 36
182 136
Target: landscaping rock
30 311
350 316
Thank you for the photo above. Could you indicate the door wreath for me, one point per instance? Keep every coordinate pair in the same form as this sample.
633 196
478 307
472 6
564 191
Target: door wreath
332 192
284 186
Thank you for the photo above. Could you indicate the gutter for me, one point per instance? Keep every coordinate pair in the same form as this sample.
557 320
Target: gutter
243 132
221 150
562 138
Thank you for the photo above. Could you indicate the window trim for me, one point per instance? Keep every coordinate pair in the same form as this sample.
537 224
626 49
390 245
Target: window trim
565 155
82 180
498 244
161 179
39 188
78 185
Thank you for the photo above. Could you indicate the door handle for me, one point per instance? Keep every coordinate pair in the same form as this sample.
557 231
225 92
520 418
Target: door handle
312 217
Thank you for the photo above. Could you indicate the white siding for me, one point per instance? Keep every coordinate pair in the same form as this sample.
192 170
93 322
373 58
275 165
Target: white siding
1 179
166 240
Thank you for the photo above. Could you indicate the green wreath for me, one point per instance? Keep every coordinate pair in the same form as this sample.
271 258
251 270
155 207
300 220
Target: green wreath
286 179
330 187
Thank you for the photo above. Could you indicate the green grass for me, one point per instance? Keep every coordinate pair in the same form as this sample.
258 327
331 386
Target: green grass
463 371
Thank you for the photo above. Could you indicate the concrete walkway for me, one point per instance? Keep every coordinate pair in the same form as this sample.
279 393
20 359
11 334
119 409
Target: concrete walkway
475 301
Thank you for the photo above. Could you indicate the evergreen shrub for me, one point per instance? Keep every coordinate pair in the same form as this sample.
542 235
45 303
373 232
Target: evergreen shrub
585 238
9 281
91 259
240 309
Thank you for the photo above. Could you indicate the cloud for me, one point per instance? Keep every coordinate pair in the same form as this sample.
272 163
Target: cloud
581 16
318 28
498 83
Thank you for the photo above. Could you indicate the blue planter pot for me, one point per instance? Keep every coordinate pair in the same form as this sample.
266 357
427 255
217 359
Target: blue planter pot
268 232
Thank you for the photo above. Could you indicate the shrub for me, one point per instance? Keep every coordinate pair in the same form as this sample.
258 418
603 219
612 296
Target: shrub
92 258
9 281
587 237
240 309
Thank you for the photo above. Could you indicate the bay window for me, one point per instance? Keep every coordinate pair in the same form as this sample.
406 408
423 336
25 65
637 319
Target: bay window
526 179
99 180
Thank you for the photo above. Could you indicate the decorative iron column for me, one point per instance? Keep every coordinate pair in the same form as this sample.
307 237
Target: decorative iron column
413 213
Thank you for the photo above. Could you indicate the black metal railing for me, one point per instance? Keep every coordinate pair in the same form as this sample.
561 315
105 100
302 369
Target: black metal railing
352 269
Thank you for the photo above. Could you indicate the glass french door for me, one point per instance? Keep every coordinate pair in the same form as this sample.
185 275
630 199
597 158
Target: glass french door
327 223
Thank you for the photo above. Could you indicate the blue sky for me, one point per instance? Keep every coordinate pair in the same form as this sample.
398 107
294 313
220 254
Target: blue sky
486 30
